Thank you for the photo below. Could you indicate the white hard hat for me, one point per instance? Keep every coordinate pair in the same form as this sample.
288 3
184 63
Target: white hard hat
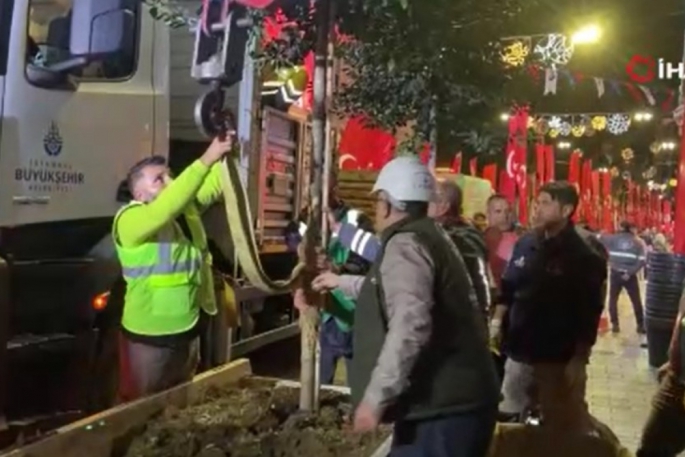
406 179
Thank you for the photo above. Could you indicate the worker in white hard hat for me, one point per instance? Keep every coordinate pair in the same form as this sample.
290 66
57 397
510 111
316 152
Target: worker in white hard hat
421 356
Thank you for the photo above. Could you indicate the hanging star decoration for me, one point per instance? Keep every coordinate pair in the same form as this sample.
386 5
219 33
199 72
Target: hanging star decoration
542 127
599 123
553 133
578 130
627 154
618 124
554 49
654 148
515 54
555 122
565 129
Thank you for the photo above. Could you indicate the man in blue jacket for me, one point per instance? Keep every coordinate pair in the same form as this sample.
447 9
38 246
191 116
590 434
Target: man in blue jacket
627 256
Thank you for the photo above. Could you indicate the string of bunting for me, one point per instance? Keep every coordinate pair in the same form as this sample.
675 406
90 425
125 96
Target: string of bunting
653 96
579 124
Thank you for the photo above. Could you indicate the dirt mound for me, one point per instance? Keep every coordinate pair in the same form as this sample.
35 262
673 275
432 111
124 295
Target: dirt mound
255 422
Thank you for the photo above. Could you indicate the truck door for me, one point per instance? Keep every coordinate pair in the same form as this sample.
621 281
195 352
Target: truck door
64 150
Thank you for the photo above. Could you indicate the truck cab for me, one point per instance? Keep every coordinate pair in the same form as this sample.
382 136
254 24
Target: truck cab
68 131
76 111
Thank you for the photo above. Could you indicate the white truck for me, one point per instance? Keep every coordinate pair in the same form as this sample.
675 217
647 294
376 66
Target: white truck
87 88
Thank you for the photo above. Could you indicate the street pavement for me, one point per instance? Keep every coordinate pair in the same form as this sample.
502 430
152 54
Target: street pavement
621 383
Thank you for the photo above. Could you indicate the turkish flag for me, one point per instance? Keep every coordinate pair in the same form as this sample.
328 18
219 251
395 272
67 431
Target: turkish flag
551 163
540 163
490 173
362 147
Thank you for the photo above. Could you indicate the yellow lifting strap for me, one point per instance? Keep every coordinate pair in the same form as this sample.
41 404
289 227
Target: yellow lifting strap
242 233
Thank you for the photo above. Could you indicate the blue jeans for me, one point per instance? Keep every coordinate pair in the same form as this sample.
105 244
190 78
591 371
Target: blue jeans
335 344
458 435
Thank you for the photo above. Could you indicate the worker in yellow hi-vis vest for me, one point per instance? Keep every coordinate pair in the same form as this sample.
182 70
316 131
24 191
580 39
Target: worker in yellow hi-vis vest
162 247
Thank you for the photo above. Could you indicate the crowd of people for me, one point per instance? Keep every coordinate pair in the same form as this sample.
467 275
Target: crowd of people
536 297
446 326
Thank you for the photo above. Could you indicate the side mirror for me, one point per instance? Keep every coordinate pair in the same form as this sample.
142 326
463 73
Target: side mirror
98 27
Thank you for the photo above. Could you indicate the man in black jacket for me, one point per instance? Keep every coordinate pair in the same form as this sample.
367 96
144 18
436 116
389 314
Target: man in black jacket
553 294
446 208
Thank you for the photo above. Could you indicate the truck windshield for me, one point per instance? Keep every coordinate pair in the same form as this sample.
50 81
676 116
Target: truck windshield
6 7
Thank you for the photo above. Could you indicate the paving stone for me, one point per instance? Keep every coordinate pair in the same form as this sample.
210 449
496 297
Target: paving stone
620 382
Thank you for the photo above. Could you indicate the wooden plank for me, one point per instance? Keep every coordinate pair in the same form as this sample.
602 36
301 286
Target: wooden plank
95 436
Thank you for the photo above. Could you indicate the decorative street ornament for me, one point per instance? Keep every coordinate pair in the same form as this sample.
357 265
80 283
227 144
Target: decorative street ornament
599 123
555 122
515 54
614 172
555 49
626 175
542 127
618 124
627 154
553 133
565 129
650 173
578 131
654 148
590 131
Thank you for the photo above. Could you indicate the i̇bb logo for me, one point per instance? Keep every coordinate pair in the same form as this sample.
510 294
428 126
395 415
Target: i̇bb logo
641 69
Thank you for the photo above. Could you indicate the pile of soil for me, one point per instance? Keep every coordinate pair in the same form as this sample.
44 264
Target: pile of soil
256 422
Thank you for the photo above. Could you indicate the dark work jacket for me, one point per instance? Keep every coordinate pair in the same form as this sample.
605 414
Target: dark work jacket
554 289
454 371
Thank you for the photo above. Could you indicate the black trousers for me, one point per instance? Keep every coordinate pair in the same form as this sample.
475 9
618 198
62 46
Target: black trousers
616 284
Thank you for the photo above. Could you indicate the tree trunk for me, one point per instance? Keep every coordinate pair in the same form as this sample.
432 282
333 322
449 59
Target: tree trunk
310 319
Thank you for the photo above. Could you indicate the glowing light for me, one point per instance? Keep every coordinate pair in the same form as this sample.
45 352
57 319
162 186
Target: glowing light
586 35
643 116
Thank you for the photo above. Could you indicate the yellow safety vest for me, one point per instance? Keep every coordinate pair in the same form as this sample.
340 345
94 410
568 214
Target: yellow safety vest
168 279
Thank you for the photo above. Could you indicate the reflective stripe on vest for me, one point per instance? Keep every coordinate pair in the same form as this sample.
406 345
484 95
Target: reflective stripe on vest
165 264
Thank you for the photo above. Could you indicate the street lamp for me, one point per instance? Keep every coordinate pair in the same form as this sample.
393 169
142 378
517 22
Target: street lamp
586 35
